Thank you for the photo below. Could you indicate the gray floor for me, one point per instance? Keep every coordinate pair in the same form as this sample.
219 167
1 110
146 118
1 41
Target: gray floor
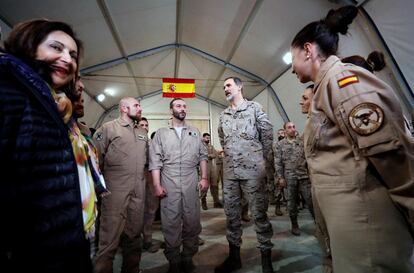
290 253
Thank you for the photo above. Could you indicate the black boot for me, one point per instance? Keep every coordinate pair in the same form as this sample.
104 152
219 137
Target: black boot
204 203
278 212
295 227
174 267
267 261
232 263
218 204
187 265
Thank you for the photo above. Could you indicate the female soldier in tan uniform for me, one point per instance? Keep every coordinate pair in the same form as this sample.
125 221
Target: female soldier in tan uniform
360 160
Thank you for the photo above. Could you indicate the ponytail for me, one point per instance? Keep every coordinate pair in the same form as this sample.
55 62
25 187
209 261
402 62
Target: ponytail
325 32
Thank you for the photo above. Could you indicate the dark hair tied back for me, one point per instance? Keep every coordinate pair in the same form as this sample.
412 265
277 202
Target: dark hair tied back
339 20
376 60
325 32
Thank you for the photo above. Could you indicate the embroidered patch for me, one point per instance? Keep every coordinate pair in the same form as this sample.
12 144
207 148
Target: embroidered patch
99 136
366 118
347 81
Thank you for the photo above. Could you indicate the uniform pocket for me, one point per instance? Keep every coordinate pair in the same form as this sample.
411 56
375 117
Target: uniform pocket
316 131
115 156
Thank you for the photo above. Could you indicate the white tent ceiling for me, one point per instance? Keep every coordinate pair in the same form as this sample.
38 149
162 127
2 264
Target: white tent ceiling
131 44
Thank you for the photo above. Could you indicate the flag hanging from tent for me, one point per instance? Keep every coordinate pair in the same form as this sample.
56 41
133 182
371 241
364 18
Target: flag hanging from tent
178 88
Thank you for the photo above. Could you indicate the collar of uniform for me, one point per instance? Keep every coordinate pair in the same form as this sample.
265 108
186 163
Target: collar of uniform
170 125
241 107
125 123
325 66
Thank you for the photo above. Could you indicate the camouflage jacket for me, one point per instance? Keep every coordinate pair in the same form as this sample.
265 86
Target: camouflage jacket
246 136
290 161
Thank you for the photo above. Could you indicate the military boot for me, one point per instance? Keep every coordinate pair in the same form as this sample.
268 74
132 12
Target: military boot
278 212
215 194
295 227
204 203
187 265
232 262
245 214
267 261
174 267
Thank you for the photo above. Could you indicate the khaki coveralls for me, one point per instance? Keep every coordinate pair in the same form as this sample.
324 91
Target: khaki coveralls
178 159
361 164
123 150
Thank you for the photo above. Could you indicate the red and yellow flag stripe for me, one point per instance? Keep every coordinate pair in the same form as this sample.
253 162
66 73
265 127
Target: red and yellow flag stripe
178 88
347 81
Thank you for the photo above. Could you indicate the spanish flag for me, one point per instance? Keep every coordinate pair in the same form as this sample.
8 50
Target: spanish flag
347 81
178 88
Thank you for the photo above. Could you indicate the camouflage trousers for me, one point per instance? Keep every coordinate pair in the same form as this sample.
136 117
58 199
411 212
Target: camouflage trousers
270 187
294 188
255 192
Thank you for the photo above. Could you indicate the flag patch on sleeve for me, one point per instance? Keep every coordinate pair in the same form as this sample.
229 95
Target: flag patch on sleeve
347 81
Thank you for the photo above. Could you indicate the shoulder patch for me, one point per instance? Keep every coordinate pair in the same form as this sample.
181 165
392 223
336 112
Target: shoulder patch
99 136
366 118
347 81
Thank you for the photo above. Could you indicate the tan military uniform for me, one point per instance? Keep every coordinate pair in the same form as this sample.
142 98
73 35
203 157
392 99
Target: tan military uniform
246 136
211 175
123 148
361 164
178 160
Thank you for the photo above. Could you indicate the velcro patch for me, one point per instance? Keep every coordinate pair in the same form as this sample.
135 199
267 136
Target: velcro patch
99 136
366 118
347 81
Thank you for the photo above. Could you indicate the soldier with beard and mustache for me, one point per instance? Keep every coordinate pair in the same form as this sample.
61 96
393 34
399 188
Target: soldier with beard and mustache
122 146
176 152
246 136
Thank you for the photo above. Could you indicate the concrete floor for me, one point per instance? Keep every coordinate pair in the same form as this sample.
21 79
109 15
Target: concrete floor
290 253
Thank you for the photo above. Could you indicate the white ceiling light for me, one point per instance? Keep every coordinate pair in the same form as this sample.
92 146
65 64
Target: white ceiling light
287 58
100 97
110 92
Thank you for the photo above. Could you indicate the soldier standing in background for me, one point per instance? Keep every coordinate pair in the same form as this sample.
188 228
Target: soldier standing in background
292 172
219 169
151 203
212 173
246 136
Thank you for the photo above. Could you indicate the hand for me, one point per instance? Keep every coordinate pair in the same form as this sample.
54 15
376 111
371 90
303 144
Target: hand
282 183
160 191
203 185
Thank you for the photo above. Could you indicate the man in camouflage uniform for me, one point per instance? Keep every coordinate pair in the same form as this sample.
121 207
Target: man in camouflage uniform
246 135
292 172
212 173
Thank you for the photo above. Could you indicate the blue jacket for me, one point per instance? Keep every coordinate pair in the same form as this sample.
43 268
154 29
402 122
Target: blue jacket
40 203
